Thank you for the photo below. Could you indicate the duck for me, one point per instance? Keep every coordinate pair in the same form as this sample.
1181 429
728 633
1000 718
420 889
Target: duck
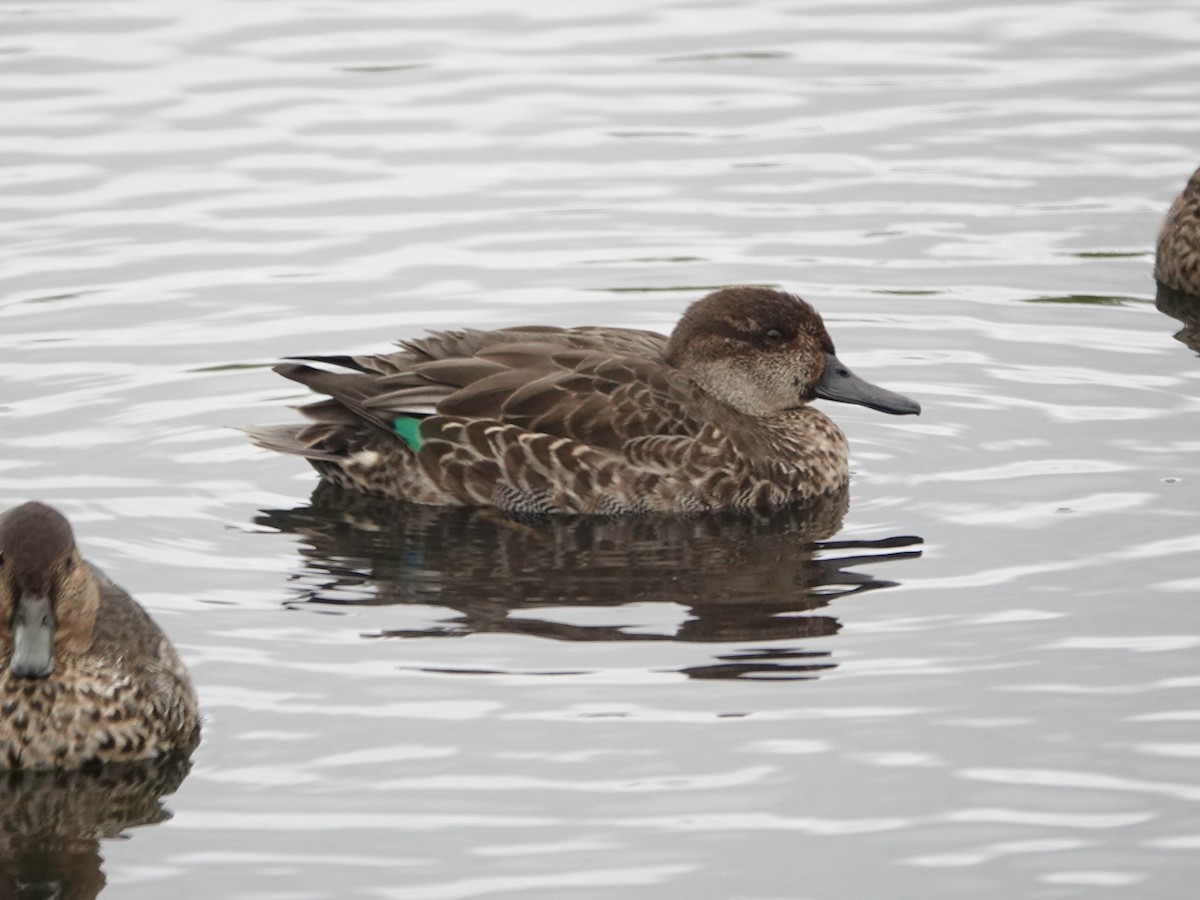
86 677
537 420
1177 255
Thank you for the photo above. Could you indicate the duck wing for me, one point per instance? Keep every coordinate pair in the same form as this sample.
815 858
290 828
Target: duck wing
602 387
535 420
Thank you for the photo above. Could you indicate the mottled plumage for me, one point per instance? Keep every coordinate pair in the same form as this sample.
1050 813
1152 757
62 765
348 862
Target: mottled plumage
1177 257
85 674
592 420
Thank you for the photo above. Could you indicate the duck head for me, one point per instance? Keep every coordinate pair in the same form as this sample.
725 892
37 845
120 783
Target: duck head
765 352
48 596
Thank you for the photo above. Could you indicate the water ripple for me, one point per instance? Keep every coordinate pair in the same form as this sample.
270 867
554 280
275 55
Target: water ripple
969 194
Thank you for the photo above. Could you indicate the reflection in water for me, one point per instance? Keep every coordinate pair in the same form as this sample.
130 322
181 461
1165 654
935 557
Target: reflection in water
1185 308
741 578
51 823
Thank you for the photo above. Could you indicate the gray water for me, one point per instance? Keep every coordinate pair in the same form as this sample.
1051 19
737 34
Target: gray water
985 681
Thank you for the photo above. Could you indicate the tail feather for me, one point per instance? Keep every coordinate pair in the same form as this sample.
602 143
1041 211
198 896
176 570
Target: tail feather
343 360
287 439
329 412
352 390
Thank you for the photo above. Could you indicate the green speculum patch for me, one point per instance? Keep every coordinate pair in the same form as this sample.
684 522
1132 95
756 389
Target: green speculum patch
409 430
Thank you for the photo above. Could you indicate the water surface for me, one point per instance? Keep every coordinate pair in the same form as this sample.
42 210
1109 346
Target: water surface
980 676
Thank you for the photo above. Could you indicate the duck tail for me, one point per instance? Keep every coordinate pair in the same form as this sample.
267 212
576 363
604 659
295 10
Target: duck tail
288 439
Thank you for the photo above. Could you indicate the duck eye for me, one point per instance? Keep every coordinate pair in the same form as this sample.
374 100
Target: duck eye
773 337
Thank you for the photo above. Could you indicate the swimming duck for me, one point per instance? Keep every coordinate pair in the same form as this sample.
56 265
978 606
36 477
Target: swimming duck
536 419
1177 257
85 674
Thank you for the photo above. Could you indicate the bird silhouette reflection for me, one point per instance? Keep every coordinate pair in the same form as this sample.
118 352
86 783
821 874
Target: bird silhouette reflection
52 823
1185 308
742 579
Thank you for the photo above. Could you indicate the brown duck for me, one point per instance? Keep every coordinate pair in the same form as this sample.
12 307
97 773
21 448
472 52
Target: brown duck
85 675
1177 257
592 420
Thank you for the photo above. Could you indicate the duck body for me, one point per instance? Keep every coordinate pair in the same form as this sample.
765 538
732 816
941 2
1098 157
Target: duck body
592 420
86 676
1177 254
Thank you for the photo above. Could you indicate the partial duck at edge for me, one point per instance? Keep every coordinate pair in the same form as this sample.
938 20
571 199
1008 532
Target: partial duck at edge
1177 255
86 676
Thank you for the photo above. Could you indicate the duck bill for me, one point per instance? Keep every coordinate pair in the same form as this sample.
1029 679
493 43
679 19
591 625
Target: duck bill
32 637
840 384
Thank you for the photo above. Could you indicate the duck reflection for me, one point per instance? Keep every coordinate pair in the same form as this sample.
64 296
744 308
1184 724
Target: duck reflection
1184 307
741 578
52 822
